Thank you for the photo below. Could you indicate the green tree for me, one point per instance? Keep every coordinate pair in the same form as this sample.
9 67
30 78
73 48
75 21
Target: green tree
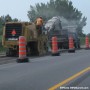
80 26
8 18
54 8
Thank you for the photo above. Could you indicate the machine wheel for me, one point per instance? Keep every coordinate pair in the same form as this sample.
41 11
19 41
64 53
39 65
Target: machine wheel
10 52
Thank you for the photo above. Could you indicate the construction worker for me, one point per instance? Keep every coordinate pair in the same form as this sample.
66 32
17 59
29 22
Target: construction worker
39 24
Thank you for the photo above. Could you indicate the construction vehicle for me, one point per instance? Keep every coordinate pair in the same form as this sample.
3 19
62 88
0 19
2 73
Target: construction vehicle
55 28
36 43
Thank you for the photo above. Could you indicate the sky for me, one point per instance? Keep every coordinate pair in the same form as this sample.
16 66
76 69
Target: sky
19 9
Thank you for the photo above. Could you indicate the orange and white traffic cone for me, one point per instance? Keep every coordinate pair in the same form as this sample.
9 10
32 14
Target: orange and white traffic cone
87 42
71 45
22 50
55 51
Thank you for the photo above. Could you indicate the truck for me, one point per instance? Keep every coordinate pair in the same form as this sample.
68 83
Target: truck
55 28
36 43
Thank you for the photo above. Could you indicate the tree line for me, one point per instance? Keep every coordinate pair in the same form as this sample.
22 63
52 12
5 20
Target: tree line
62 8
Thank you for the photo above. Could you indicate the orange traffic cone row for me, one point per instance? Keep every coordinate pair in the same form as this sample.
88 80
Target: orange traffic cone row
22 50
71 45
87 42
55 51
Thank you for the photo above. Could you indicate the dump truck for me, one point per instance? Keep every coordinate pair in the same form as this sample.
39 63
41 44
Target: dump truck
55 28
36 42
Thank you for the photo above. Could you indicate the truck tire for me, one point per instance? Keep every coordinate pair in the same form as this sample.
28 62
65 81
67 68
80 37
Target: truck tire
7 53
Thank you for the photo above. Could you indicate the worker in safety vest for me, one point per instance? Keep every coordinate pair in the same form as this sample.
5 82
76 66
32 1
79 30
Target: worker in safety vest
39 24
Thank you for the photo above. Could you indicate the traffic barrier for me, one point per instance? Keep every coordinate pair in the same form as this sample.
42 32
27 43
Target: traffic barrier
55 51
71 45
87 42
22 50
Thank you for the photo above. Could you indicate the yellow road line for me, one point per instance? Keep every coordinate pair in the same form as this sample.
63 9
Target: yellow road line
69 79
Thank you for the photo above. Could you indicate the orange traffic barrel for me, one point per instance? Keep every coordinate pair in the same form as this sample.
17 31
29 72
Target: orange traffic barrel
87 42
71 44
55 51
22 50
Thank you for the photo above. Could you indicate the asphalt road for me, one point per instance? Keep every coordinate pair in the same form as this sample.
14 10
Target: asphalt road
44 72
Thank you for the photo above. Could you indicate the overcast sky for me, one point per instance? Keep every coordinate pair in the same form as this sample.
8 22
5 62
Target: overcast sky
18 9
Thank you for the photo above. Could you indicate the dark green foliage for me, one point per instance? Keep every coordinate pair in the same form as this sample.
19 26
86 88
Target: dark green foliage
54 8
